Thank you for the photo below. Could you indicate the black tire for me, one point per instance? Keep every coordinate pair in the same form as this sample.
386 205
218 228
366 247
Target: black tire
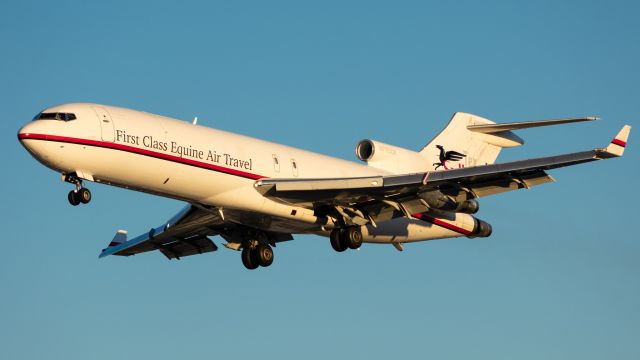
353 237
73 198
264 254
249 259
336 240
84 195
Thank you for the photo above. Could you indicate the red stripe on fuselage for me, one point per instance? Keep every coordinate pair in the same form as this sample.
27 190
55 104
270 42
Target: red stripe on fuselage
619 142
135 150
441 223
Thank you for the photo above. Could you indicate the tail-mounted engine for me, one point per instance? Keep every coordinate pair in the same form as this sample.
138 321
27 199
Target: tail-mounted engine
390 158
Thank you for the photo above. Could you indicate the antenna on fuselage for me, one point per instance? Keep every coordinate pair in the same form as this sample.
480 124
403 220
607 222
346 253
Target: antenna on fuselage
195 121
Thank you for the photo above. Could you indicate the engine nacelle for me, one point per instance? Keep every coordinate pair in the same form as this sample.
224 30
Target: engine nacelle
431 225
390 158
482 228
438 200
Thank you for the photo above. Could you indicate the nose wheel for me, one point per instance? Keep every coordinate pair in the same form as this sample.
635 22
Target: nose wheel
80 195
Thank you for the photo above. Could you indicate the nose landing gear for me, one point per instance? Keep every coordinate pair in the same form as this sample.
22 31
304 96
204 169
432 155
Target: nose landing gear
80 195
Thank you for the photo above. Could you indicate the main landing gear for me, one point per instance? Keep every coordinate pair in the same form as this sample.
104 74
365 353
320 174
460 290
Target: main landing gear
258 255
346 238
80 195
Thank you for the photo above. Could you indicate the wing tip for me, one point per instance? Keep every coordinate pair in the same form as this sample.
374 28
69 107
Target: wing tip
619 143
119 239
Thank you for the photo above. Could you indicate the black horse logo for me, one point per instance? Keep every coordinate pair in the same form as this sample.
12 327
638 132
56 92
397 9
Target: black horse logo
447 156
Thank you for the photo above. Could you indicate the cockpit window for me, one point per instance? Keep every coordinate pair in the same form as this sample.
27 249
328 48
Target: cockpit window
55 116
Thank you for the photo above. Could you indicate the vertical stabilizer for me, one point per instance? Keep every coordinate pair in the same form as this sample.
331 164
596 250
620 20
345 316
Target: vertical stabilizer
456 146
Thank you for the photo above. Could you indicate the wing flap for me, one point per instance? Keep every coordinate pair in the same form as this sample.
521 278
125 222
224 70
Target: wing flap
188 246
483 189
328 184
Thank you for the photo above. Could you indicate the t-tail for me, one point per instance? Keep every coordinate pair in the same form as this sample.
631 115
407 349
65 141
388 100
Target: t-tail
468 140
471 140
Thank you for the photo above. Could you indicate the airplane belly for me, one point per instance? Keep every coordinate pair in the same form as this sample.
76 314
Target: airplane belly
177 180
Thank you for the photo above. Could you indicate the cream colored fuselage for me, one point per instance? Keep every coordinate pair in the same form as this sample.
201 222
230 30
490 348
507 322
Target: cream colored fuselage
201 165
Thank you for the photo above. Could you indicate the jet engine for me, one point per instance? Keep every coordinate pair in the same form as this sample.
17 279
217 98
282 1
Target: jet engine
390 158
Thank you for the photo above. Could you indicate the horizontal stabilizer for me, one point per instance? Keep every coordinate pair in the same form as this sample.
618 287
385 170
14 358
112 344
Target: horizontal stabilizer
494 128
617 145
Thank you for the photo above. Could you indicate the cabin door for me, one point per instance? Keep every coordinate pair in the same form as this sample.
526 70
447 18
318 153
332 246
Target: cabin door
106 124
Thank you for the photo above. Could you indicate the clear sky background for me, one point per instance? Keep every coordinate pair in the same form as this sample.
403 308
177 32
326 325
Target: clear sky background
557 280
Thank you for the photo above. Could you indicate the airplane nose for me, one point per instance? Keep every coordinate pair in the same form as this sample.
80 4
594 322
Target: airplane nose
28 132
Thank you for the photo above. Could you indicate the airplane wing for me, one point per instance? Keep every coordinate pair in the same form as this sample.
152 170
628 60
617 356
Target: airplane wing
187 233
184 234
480 180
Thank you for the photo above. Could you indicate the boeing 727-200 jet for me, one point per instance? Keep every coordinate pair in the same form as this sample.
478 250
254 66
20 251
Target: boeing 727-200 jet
256 194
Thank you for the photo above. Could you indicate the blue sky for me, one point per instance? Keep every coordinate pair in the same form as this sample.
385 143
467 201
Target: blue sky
557 280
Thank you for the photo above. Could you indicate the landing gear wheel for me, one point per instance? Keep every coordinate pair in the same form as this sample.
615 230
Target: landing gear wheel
264 254
336 240
84 195
249 258
73 198
352 237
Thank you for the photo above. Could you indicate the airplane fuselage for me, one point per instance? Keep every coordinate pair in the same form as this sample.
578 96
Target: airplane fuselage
201 165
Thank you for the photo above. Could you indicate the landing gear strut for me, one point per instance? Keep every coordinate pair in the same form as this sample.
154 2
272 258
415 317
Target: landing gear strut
346 238
80 195
259 255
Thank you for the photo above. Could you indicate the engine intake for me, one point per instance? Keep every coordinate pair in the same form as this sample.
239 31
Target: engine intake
365 150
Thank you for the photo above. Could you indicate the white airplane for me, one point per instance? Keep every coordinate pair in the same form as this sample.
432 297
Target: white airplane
255 193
